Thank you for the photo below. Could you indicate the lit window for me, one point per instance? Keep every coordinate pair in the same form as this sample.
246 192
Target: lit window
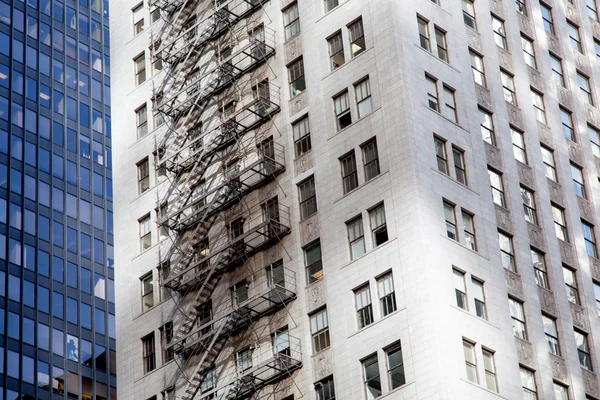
319 329
336 51
357 38
342 111
499 32
450 217
470 361
460 289
291 21
539 269
364 308
517 316
478 68
571 285
387 294
560 223
364 104
507 251
296 77
370 159
378 225
356 238
147 292
583 350
528 52
551 335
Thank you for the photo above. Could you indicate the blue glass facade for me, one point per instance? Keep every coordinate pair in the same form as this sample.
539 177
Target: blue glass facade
57 323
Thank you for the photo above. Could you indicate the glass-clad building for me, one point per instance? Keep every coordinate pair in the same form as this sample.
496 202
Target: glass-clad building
57 323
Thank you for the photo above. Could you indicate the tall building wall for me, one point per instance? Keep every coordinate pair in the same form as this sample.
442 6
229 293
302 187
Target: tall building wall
57 305
484 159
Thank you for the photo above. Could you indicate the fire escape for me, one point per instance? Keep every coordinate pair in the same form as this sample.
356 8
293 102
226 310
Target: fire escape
216 152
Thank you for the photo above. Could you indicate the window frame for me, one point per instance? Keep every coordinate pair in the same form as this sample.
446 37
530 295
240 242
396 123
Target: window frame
499 32
370 155
349 172
147 291
357 43
296 77
319 333
140 68
519 320
364 306
356 236
306 200
451 225
560 227
387 293
149 353
551 334
292 24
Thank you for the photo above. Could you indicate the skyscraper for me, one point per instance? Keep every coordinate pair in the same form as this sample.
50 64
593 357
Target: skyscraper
57 323
347 199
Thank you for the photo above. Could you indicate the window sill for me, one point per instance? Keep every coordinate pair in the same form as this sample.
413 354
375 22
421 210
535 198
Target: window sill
360 186
437 58
153 371
390 315
332 10
474 316
456 242
392 392
454 180
367 253
345 63
354 123
447 119
483 388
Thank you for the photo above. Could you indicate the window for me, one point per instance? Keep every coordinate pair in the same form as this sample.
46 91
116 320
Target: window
479 297
549 164
302 141
330 5
378 225
566 119
528 384
442 45
574 37
459 165
589 238
551 335
432 93
519 147
561 392
440 154
538 106
597 295
371 377
539 269
507 252
166 335
521 7
595 140
291 21
449 103
387 294
145 233
499 32
319 329
147 292
528 52
450 221
557 70
424 40
508 85
518 318
148 350
470 361
591 9
490 370
356 238
583 350
547 18
308 198
478 68
364 308
357 38
528 199
395 364
460 289
240 292
469 13
296 77
336 51
497 187
571 285
560 224
138 19
313 262
487 127
469 230
244 359
578 182
143 172
370 159
324 389
364 103
585 89
140 69
349 174
141 120
342 111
